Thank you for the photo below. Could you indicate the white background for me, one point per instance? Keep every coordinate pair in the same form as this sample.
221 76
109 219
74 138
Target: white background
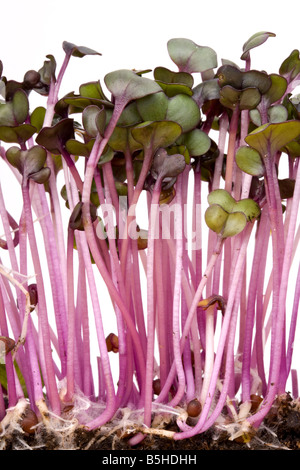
134 33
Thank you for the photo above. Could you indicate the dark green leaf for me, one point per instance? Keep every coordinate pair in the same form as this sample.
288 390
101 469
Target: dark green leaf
286 187
172 89
74 147
20 106
290 67
47 72
29 162
230 75
206 91
16 134
276 90
259 80
162 74
41 176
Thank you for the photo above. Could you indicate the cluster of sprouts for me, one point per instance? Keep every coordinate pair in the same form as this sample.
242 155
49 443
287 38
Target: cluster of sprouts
149 259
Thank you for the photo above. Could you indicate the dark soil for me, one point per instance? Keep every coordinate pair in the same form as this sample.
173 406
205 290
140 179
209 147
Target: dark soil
280 431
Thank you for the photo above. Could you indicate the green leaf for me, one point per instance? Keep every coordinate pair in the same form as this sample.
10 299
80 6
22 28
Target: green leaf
189 57
248 98
215 217
235 224
34 159
271 138
290 67
125 85
78 103
37 117
276 90
78 51
3 378
153 107
76 148
41 176
222 198
248 207
183 110
106 157
162 74
254 41
16 134
249 161
7 117
224 209
277 113
292 149
75 221
259 80
89 117
206 91
130 115
230 75
29 162
121 139
196 141
173 89
20 106
92 90
47 72
255 116
156 134
180 149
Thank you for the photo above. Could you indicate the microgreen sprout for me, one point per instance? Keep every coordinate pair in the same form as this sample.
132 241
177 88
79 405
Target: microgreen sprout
158 218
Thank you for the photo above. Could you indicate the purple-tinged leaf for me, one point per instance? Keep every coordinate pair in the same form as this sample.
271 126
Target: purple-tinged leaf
254 41
54 138
271 138
126 85
78 51
191 58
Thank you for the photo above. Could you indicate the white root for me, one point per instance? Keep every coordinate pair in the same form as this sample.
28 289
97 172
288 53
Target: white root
18 284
